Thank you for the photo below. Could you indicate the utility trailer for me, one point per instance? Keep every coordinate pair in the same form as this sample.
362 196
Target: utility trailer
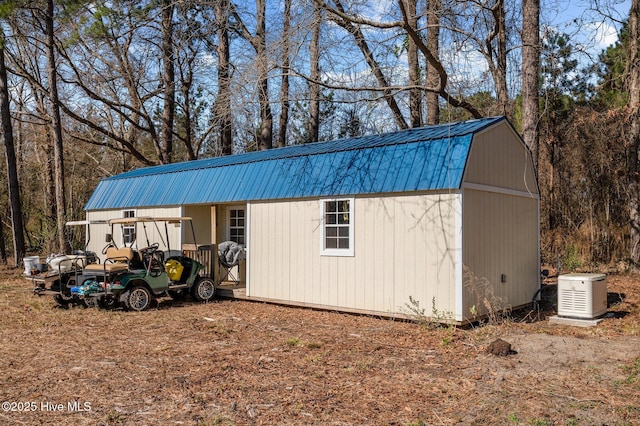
61 272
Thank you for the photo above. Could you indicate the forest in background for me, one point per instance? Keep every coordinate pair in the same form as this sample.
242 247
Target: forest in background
90 89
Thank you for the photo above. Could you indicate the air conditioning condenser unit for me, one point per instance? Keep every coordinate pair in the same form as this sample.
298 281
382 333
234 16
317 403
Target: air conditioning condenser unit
582 296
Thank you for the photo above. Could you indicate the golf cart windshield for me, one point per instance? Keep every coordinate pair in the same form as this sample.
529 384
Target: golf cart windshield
158 222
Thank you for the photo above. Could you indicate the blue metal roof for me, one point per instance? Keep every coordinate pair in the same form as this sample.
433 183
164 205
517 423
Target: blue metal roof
427 158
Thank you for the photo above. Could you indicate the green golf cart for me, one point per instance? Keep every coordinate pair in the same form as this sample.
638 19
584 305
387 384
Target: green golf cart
136 277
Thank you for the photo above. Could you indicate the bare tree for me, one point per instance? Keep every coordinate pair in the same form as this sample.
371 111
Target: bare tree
497 50
483 26
633 156
415 94
223 102
31 101
434 8
104 65
10 154
434 61
531 75
314 85
284 82
188 35
259 42
56 125
351 24
168 78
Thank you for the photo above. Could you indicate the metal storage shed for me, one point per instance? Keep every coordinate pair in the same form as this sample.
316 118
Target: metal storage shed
445 215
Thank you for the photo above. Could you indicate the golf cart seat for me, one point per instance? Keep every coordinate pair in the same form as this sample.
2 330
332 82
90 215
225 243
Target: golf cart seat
117 260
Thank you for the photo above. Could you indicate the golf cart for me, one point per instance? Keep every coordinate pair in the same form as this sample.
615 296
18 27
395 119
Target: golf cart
135 278
60 273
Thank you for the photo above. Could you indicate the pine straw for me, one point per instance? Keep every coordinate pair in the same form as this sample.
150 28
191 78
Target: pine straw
239 363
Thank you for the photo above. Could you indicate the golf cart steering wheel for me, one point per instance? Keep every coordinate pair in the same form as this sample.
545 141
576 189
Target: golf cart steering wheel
153 259
150 249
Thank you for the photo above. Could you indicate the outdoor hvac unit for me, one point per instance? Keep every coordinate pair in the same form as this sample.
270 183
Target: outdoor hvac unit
582 295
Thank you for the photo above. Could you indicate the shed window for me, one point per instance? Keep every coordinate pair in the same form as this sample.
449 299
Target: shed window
128 231
337 228
236 225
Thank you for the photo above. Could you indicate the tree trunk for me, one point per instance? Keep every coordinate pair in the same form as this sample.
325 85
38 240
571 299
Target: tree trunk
3 248
633 152
499 70
168 77
415 94
530 75
265 137
284 86
314 86
56 123
434 8
189 121
12 169
223 103
45 155
45 143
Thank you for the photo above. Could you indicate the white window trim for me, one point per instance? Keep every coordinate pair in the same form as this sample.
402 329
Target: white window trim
350 252
135 228
228 221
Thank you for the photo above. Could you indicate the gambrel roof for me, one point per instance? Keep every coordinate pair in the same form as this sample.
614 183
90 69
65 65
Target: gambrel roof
421 159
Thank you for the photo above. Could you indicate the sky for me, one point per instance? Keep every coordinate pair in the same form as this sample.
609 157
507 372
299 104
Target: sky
593 24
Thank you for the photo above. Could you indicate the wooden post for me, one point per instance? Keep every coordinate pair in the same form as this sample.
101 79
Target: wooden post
214 243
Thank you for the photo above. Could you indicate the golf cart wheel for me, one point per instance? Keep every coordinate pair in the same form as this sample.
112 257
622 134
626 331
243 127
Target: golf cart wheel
108 303
139 298
63 300
176 294
203 290
90 302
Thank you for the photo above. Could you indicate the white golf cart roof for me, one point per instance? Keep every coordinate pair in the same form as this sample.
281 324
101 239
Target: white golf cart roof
85 222
144 219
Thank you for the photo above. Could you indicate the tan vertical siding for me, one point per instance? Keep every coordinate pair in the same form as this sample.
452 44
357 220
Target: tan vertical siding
500 222
201 217
500 237
98 232
499 159
404 246
297 251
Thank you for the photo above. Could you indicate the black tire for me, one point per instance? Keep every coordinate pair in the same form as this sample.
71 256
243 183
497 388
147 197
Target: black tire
108 303
90 302
63 300
138 299
203 289
177 294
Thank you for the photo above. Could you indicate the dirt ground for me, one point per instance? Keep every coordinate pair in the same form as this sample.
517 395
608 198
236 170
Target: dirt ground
243 363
